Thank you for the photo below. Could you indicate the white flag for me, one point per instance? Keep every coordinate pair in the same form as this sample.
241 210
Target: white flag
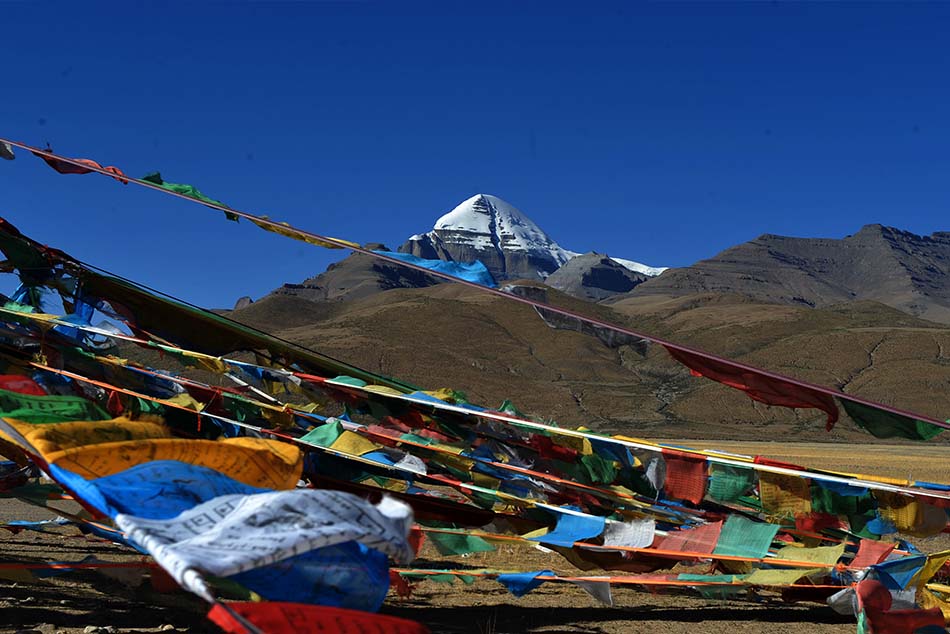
596 588
235 533
632 534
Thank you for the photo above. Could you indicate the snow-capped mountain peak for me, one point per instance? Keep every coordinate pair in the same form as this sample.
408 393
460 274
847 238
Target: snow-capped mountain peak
511 245
486 221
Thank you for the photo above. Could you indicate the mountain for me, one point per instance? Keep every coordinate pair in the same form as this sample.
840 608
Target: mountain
487 228
508 243
835 312
356 277
483 228
491 348
897 268
881 264
594 277
243 302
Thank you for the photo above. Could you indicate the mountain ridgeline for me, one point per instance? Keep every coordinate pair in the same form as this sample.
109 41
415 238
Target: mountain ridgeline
881 264
490 230
867 314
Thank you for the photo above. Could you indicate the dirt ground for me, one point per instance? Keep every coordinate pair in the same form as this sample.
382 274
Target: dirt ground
90 602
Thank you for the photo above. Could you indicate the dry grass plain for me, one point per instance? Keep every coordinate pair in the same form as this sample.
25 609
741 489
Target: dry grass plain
925 462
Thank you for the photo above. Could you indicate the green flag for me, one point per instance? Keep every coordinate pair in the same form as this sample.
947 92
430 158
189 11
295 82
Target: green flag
741 537
186 190
48 409
881 424
459 543
728 483
324 435
599 471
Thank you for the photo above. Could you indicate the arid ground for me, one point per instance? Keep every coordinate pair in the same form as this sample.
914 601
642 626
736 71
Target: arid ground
89 601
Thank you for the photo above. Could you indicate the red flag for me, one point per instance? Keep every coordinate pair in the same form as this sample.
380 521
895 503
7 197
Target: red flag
21 384
547 448
297 618
398 583
685 476
871 552
816 522
875 599
416 539
777 463
68 168
758 386
701 539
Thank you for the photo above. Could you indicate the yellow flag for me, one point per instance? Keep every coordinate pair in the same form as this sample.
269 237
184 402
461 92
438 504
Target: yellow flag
284 229
50 437
784 495
353 444
778 577
928 600
255 461
382 389
186 400
826 555
929 569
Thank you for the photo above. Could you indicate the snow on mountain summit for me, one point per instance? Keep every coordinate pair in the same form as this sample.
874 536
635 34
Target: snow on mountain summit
510 244
637 267
486 221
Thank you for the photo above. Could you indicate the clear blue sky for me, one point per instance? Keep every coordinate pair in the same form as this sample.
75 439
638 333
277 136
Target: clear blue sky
661 133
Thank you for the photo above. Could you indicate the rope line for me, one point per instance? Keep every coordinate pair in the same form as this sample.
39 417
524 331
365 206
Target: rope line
343 244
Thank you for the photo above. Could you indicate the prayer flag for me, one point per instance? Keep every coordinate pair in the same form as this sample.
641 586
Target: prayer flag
757 385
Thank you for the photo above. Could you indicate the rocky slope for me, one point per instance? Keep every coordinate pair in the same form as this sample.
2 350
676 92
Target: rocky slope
857 313
493 349
882 264
594 277
356 277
